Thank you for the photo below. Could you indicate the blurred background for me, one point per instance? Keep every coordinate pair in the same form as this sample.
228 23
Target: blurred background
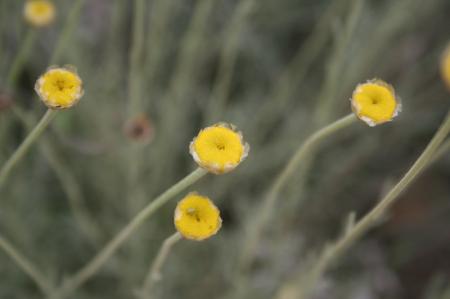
156 72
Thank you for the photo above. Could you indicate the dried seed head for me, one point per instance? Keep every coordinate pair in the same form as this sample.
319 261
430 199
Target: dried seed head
139 129
5 101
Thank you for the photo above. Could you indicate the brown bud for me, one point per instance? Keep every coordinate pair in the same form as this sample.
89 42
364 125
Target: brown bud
5 101
139 129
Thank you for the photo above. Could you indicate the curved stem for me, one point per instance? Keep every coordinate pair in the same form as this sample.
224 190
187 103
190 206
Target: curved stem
23 148
26 266
263 214
354 232
154 273
99 260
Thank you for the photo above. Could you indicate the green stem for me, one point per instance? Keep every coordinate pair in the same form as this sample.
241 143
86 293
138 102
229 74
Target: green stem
267 206
65 35
135 59
21 57
335 65
99 260
295 72
227 60
23 148
154 273
354 232
26 266
445 147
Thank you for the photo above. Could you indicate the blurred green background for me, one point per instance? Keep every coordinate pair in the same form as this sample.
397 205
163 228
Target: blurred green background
278 70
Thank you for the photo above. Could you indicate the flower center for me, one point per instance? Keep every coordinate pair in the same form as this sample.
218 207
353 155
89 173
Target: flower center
60 84
220 146
193 212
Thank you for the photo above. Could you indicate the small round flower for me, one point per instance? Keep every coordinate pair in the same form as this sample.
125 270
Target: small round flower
219 148
375 102
59 88
196 217
139 129
39 13
445 66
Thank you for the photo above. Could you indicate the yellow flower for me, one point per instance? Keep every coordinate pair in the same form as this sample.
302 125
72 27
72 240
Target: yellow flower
59 88
445 66
39 13
375 102
219 148
196 217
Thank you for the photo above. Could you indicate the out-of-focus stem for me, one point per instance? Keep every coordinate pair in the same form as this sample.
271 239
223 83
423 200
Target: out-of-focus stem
263 213
71 284
227 60
24 147
21 57
26 266
294 73
353 232
154 273
68 182
135 59
334 66
69 26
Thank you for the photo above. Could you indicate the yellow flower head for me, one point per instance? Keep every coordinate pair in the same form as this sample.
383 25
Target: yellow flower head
375 102
219 148
445 66
59 88
39 13
196 217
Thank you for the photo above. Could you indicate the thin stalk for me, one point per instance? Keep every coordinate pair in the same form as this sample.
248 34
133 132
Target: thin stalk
99 260
67 31
161 14
26 266
135 99
24 147
445 147
67 180
354 232
295 72
335 65
21 57
192 51
135 59
267 206
227 60
154 273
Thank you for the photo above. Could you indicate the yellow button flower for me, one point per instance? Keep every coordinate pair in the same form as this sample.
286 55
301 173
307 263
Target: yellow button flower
219 148
445 66
39 13
196 217
59 88
375 102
